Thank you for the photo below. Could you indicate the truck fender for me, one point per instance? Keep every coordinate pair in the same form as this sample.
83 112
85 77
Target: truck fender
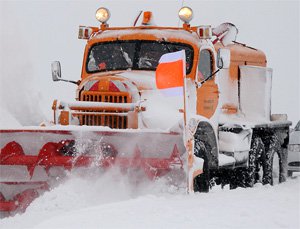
200 129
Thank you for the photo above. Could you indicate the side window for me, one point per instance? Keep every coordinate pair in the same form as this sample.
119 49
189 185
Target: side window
204 65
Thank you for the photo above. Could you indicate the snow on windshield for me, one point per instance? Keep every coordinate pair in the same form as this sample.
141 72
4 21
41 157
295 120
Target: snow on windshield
138 55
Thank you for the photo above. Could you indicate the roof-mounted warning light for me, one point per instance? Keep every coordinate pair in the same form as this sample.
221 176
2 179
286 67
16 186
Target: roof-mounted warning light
86 32
204 31
102 15
147 18
186 15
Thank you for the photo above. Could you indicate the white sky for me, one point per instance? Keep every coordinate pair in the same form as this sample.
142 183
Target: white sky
34 33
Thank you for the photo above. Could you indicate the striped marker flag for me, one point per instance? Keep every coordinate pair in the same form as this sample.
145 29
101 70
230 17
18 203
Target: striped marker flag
170 73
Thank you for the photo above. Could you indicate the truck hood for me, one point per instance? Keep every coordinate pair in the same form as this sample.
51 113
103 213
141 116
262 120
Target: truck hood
163 110
143 80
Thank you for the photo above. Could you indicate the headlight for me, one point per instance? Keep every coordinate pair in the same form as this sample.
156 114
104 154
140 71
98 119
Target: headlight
294 148
185 14
102 14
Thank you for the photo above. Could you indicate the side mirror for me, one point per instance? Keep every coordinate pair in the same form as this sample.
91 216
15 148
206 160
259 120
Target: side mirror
223 58
56 71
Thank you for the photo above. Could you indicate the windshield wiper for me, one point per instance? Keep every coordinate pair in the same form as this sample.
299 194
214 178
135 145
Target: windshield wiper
126 57
209 77
166 44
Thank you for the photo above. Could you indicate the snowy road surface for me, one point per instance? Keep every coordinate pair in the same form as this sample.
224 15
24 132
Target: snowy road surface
113 203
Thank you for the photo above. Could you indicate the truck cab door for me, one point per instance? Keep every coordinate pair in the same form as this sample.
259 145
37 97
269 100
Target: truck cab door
208 92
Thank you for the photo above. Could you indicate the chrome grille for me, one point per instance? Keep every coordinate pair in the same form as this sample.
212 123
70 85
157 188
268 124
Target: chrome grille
117 97
116 120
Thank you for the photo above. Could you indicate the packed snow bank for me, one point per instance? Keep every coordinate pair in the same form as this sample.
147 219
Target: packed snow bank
113 202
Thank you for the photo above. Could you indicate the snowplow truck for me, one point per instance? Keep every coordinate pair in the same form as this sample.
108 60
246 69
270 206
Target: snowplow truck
189 101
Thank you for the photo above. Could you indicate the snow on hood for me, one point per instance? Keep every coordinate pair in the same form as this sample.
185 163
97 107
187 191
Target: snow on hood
143 79
161 111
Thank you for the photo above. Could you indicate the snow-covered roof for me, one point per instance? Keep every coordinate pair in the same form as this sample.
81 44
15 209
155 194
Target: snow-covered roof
242 52
147 33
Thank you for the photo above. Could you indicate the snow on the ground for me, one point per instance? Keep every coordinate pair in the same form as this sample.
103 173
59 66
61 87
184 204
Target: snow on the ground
112 201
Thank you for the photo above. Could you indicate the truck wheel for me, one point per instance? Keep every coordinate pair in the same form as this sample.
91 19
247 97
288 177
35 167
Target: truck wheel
275 169
247 177
255 154
201 182
206 148
272 162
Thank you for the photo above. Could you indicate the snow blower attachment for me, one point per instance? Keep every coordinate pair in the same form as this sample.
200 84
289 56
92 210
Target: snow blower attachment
167 101
38 157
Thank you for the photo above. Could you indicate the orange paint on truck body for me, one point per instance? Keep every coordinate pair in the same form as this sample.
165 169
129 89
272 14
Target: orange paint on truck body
207 99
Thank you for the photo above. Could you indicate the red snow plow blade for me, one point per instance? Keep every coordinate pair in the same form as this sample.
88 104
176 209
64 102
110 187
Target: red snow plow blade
32 159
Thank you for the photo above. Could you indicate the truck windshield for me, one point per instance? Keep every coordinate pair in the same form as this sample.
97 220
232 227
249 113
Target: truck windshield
135 55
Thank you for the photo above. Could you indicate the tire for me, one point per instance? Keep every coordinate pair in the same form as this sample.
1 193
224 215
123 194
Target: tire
205 147
254 163
290 173
275 169
201 182
247 177
272 163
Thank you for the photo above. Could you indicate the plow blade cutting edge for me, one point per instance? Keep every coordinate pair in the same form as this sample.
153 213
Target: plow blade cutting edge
31 159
